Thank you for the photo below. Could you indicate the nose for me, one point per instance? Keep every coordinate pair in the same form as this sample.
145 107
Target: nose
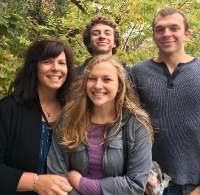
98 84
55 66
102 35
167 32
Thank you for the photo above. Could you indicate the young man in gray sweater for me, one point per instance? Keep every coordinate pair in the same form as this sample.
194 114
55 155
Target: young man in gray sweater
169 88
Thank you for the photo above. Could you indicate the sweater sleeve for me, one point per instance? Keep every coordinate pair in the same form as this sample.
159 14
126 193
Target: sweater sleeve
138 165
90 186
9 176
57 163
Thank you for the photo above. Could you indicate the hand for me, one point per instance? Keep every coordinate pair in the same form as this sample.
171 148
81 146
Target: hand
153 182
74 178
196 191
52 185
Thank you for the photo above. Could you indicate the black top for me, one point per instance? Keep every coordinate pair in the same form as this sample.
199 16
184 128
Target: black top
20 130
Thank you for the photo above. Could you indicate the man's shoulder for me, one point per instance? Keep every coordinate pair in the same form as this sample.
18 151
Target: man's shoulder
196 60
143 63
141 67
80 68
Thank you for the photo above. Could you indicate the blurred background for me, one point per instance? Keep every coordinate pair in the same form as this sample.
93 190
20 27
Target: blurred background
22 21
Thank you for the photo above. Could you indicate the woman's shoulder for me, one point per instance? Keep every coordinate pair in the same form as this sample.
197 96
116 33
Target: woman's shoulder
8 106
128 116
131 123
10 102
7 100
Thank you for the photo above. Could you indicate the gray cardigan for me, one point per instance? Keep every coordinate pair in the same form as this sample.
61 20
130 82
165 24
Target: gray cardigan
115 182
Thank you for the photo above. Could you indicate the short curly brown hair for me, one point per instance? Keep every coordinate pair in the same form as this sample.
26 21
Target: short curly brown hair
105 21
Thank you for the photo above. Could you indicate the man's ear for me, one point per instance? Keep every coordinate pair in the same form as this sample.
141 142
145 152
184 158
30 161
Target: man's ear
187 35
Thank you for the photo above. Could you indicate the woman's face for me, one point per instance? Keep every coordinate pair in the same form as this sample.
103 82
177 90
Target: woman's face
52 72
102 85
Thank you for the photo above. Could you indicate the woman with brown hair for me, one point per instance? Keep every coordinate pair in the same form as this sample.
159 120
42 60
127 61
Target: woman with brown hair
27 115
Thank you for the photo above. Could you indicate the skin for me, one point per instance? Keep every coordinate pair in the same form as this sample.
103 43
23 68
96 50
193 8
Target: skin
170 35
196 191
102 85
52 73
102 39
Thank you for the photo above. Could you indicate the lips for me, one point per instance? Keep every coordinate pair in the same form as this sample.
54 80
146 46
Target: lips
167 42
98 94
54 78
102 43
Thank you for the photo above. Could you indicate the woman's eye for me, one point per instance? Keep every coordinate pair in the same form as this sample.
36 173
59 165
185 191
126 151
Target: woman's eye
91 78
107 79
46 61
62 63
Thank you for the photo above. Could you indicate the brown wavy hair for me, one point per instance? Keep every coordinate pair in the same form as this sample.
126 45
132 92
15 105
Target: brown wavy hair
105 21
77 112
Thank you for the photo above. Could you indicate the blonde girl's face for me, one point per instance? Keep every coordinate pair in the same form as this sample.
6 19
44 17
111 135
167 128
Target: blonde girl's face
102 85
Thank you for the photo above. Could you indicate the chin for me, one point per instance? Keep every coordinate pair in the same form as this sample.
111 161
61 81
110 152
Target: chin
168 51
103 51
55 88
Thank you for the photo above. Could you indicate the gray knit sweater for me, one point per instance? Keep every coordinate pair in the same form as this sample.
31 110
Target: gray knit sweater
173 102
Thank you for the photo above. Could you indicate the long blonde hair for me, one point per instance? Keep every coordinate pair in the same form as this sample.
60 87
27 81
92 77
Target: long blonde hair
77 112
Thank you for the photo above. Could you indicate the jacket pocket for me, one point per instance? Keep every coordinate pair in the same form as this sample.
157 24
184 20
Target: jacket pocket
114 158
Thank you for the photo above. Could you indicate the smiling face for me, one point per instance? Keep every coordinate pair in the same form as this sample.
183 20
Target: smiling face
102 85
170 34
52 73
102 39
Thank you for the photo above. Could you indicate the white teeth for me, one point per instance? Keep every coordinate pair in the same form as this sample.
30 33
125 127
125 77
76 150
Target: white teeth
98 94
54 78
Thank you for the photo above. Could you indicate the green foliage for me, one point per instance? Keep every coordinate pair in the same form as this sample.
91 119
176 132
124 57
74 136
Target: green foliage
7 70
22 21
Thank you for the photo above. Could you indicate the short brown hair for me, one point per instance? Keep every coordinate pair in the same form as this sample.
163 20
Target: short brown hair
105 21
169 11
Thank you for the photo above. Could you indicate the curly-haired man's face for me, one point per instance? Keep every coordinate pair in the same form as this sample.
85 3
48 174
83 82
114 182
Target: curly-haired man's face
102 39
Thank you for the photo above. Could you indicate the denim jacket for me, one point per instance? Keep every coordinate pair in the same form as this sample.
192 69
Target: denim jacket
115 181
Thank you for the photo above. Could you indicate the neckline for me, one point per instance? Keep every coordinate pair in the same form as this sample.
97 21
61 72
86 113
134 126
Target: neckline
99 125
179 64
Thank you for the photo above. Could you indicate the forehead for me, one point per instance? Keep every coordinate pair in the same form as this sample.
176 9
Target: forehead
105 68
173 19
100 27
61 55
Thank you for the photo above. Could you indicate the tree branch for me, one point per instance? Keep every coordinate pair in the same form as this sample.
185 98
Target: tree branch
78 4
126 42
